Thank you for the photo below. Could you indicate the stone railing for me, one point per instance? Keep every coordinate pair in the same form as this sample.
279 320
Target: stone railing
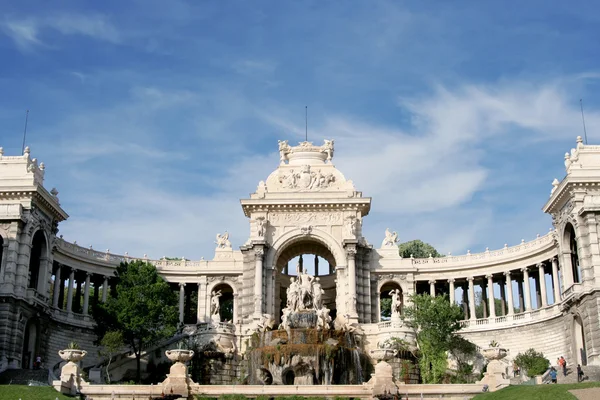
571 290
35 297
510 320
390 325
520 250
81 320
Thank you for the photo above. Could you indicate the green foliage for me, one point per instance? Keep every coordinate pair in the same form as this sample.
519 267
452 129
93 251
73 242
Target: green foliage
418 249
31 392
386 308
533 362
436 321
112 342
536 392
73 346
144 308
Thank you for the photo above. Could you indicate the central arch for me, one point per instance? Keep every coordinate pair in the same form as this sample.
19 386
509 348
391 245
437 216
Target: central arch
295 244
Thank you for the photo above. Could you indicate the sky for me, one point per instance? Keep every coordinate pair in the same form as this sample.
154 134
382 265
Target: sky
154 118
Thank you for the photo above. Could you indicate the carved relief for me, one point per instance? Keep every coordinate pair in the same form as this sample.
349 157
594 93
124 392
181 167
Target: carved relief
305 179
317 218
306 229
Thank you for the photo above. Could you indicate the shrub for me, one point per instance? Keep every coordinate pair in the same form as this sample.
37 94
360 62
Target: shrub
533 362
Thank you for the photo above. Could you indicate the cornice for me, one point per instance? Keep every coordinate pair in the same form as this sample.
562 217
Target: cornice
363 204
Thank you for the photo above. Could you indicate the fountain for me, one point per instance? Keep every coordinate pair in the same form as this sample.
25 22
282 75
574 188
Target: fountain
305 350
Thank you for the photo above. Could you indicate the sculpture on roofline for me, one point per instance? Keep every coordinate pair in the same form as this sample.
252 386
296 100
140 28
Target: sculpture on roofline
284 149
391 238
223 241
328 149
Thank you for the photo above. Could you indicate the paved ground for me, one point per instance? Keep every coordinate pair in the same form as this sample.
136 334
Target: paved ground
586 394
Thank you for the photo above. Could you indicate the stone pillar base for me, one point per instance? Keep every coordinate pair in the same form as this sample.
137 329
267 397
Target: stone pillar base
382 381
495 377
177 381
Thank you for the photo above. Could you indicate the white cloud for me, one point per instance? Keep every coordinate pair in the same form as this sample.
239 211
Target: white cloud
422 176
26 32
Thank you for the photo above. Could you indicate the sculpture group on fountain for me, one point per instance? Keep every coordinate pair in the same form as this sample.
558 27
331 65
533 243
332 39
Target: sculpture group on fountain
305 294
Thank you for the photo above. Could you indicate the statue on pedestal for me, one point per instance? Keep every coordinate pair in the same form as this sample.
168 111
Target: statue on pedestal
391 238
215 306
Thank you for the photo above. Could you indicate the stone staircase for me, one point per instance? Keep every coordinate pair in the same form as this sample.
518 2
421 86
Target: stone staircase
591 374
24 376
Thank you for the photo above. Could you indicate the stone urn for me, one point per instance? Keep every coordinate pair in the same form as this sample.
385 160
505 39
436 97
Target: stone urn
382 354
179 355
494 353
72 355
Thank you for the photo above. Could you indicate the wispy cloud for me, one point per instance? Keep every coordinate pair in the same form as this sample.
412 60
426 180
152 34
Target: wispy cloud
27 32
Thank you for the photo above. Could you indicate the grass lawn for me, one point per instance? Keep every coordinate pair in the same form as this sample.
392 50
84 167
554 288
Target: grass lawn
536 392
23 392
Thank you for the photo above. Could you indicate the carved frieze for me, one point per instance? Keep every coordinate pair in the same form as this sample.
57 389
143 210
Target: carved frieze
295 218
306 179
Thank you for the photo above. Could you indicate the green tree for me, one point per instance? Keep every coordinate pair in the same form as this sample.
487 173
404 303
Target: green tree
418 249
533 362
112 342
436 322
144 308
386 308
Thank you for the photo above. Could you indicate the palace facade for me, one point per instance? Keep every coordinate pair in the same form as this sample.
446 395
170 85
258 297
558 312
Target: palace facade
546 288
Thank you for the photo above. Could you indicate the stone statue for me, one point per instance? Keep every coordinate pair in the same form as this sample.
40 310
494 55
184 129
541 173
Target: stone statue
328 149
391 238
317 294
293 294
396 303
305 300
352 224
260 226
223 241
215 306
323 318
267 322
284 149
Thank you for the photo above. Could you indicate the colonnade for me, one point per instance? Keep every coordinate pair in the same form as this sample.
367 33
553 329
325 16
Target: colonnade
190 313
504 280
78 281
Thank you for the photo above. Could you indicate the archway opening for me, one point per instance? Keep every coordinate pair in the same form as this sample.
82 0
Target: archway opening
579 341
391 301
30 345
222 302
572 243
38 254
317 260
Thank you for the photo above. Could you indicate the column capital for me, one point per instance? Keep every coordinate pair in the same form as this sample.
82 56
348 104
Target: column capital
507 274
181 284
351 251
259 251
554 259
525 269
451 280
489 276
540 265
88 274
74 271
470 278
432 281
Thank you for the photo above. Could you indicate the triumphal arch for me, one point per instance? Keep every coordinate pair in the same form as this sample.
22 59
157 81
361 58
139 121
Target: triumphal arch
305 263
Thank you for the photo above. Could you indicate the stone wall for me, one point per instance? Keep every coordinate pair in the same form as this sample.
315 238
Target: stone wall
548 337
59 337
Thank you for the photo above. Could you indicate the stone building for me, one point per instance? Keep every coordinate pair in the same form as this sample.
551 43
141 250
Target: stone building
307 208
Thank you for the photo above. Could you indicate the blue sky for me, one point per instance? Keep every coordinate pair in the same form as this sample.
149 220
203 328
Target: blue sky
154 118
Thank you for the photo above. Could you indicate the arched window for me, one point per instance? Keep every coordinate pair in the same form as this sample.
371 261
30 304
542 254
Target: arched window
390 301
38 249
570 232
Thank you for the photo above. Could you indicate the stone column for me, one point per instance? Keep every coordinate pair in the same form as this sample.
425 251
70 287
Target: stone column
104 289
471 298
181 300
57 288
259 253
451 283
509 294
236 318
316 265
200 311
465 300
484 298
96 291
567 269
432 288
501 284
70 291
86 294
61 295
351 258
542 275
521 297
526 288
555 284
491 300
